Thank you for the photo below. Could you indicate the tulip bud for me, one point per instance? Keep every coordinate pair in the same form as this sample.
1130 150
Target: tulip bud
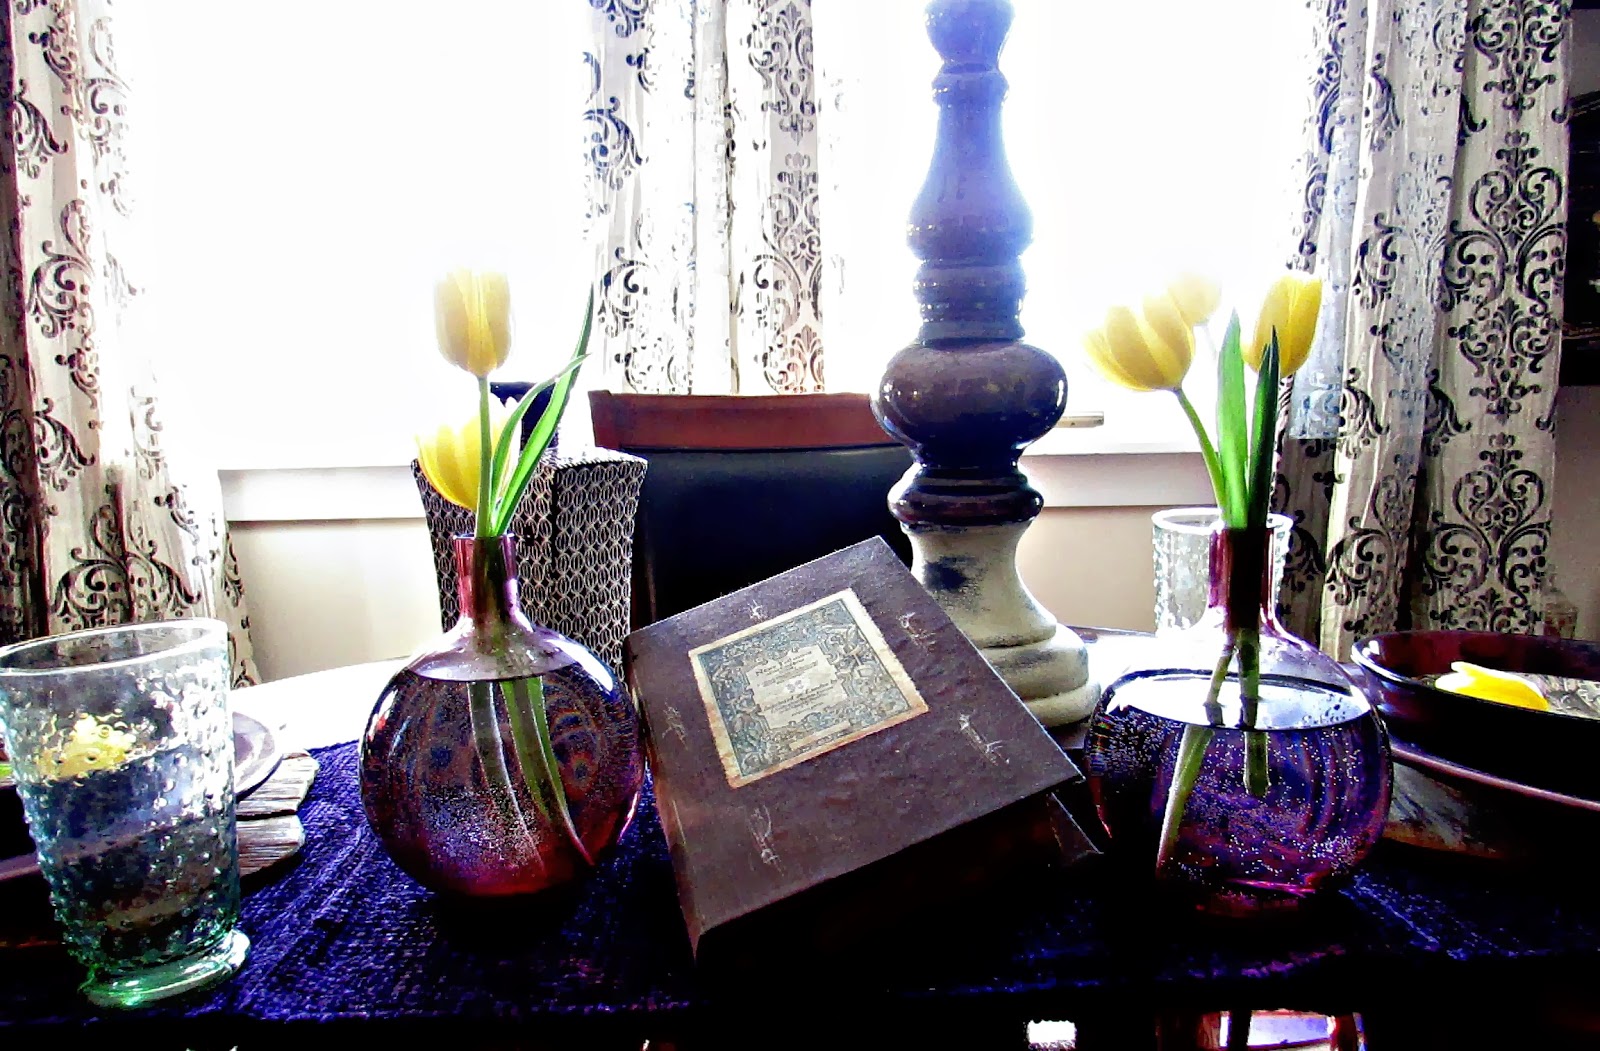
1197 297
1148 349
1291 308
472 311
452 459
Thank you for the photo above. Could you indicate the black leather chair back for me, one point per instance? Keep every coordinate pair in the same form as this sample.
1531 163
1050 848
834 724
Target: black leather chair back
792 480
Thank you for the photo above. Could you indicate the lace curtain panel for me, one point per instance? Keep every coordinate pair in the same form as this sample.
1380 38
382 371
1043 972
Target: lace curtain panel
99 525
1418 449
703 190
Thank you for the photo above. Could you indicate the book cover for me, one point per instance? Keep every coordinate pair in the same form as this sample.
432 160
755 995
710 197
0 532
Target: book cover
829 749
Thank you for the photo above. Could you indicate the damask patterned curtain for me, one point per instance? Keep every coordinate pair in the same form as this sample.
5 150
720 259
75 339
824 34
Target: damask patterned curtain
98 524
703 144
1418 451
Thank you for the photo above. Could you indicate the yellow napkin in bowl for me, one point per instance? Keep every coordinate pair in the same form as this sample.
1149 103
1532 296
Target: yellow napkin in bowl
1490 684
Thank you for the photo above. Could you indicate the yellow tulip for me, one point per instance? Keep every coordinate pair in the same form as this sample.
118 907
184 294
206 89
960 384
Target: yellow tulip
452 458
1148 349
1291 307
1197 297
1489 684
472 311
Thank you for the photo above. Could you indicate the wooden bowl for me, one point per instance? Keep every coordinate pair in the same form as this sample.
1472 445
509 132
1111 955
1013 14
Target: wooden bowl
1445 806
1552 750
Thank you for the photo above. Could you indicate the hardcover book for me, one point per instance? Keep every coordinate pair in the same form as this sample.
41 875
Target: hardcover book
830 751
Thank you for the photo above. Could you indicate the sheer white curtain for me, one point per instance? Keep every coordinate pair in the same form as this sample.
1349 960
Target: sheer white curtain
703 147
105 518
1418 459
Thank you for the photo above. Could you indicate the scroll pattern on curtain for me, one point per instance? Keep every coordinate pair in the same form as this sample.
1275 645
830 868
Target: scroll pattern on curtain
701 136
1418 453
98 524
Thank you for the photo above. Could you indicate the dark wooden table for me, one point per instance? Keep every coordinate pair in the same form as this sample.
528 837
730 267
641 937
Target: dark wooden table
1432 954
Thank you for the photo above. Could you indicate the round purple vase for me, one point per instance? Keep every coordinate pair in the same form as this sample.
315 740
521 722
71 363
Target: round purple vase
1237 851
470 743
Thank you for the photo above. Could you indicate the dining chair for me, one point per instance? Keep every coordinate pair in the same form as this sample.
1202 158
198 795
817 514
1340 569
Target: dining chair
739 488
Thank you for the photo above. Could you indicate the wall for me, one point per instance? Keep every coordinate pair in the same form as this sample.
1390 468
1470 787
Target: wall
1585 58
328 593
1092 565
1576 528
338 568
1575 539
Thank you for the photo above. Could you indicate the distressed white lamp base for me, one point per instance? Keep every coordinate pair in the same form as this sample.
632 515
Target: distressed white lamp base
972 572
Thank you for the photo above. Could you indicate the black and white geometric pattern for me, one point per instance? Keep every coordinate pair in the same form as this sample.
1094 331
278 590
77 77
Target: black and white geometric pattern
574 530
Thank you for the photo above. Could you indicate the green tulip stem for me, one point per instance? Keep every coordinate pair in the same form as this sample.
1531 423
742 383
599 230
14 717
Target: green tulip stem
1207 451
486 738
1213 706
485 514
540 767
1191 756
1255 741
1191 753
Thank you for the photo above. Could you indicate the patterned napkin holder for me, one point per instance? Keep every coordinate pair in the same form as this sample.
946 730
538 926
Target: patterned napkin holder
574 532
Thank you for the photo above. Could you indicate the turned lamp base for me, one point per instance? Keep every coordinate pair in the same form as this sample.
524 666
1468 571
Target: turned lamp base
971 572
969 396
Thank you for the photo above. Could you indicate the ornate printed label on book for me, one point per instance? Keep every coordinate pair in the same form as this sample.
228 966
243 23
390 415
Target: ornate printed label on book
800 685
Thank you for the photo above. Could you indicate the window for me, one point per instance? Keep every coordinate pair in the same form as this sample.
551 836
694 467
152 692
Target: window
304 198
1145 137
335 157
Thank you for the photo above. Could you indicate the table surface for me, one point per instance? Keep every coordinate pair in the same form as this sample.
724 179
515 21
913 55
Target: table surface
344 938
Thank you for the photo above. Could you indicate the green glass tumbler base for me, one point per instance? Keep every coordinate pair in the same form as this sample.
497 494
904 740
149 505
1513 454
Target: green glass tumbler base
188 975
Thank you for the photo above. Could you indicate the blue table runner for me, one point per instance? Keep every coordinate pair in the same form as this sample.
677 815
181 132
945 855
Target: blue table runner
343 936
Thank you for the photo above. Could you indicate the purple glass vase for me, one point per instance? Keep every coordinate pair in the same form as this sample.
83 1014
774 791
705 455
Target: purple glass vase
1241 850
506 758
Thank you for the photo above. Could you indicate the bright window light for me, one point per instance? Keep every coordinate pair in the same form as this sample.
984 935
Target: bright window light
307 172
304 176
1145 138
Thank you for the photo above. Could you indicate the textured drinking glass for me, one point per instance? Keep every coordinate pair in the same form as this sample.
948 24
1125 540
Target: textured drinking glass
1182 538
122 746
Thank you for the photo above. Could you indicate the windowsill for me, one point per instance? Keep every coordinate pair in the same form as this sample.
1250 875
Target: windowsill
1071 467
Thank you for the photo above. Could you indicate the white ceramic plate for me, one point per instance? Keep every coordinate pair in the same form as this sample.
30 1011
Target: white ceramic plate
255 753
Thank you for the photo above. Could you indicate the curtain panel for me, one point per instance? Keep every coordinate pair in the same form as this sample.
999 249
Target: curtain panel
99 524
1418 449
701 134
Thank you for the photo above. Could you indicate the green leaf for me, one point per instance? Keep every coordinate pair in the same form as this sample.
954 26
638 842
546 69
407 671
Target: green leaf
1264 437
1232 427
520 714
541 770
502 448
1207 452
544 429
